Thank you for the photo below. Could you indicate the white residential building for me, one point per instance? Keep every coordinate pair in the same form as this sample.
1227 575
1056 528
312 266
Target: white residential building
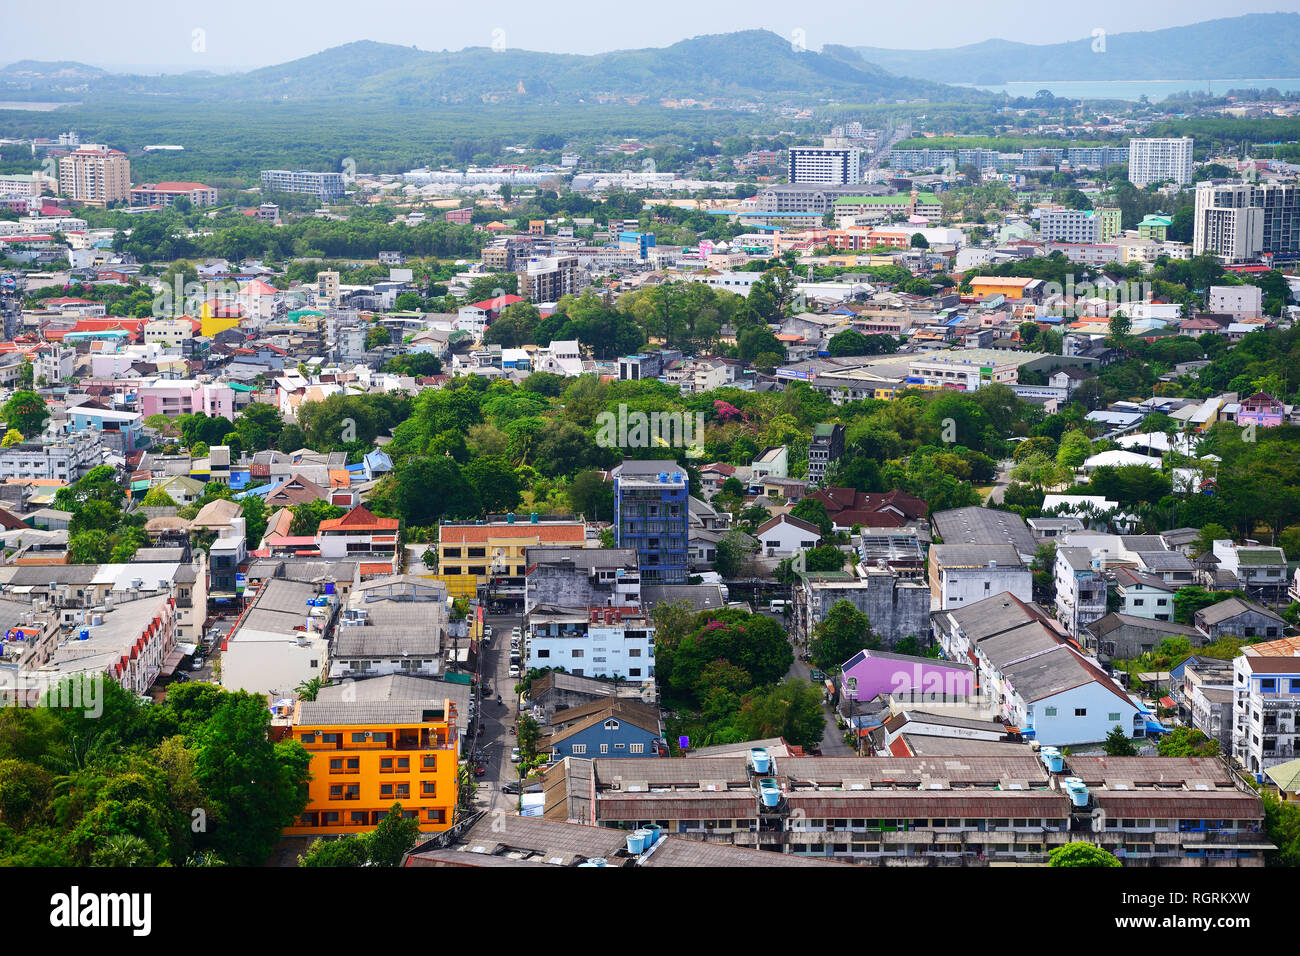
1159 160
1266 703
962 574
1080 589
1240 301
783 535
595 642
1069 225
833 166
281 641
1031 678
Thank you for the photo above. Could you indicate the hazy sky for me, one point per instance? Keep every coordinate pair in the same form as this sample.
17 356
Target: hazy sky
242 34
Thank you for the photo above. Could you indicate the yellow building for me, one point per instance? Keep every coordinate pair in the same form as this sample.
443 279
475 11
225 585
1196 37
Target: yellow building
214 318
473 555
367 755
1009 286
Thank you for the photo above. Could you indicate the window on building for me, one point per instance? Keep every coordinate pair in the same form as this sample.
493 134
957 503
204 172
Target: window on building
579 748
1081 711
604 748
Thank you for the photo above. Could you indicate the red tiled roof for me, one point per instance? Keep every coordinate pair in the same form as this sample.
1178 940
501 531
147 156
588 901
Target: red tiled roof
496 303
790 520
174 187
368 569
546 533
359 518
879 509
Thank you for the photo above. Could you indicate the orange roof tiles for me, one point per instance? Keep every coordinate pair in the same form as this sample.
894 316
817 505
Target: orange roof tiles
359 519
547 533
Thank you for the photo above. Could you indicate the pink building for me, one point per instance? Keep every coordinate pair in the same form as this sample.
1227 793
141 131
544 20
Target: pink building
1262 410
185 397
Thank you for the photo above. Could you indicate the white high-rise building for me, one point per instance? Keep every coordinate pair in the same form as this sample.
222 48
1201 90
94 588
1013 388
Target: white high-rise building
1239 222
816 164
1069 225
1160 160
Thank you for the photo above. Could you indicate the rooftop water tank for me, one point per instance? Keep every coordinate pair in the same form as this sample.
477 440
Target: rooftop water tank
636 842
760 760
1052 759
654 833
769 792
1078 791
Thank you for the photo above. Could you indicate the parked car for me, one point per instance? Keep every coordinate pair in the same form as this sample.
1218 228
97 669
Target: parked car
515 755
514 670
816 676
198 664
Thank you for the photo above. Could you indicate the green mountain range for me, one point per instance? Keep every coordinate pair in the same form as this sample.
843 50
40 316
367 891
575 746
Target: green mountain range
1254 46
749 66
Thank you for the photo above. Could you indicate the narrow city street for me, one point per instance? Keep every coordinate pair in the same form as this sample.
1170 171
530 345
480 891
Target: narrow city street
832 744
494 739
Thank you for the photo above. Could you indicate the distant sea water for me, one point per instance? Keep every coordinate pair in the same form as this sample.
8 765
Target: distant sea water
1154 90
32 105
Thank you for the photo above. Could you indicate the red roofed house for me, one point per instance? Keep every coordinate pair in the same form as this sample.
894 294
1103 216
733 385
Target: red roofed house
784 534
870 509
133 327
262 302
360 536
713 476
164 194
470 555
477 316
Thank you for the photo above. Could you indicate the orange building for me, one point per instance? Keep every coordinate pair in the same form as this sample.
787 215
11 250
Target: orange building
1010 286
367 755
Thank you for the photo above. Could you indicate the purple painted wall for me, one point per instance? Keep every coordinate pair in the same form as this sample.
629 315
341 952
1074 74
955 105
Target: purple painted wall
879 672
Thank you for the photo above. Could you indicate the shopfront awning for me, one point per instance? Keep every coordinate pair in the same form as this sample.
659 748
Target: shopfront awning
171 662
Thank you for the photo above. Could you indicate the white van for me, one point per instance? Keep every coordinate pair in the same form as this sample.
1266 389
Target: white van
778 605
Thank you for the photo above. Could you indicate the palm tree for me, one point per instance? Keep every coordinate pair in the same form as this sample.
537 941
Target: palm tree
308 689
123 849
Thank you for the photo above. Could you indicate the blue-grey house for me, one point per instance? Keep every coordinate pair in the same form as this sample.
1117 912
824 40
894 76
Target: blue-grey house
606 728
376 464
